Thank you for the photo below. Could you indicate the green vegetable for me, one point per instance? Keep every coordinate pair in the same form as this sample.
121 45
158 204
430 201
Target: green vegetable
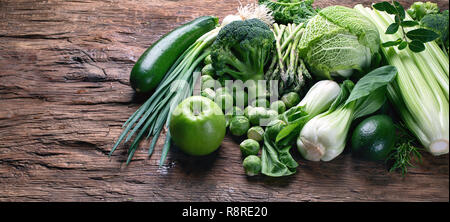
208 93
208 60
260 102
258 116
224 100
249 147
223 90
246 111
337 41
420 91
324 136
317 100
291 99
256 133
197 126
276 160
208 70
405 152
207 82
176 85
239 125
242 49
252 165
278 106
438 23
287 67
155 62
418 37
420 9
272 114
374 138
290 11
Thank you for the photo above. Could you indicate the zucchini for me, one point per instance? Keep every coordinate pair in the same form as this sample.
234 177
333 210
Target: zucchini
154 63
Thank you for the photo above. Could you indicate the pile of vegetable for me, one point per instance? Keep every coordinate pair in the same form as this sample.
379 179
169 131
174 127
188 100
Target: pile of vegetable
283 74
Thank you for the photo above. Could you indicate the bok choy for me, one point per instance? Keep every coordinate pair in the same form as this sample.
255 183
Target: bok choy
324 136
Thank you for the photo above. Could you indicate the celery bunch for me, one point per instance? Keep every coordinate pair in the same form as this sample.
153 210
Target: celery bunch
420 91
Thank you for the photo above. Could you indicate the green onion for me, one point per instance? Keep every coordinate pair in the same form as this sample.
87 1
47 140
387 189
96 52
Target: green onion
154 114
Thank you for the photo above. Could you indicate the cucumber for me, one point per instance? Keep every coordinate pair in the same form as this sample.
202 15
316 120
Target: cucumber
154 63
374 138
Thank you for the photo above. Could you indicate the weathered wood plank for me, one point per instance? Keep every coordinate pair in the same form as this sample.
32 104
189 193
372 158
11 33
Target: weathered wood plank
64 94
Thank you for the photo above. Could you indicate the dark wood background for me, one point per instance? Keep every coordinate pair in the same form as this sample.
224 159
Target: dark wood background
64 94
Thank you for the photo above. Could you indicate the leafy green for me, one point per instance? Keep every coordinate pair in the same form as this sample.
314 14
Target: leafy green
337 41
290 11
324 136
276 160
242 49
415 38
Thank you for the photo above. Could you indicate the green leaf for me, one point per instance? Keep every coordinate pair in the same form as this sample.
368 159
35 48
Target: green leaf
402 45
397 19
372 81
392 43
346 89
416 46
422 35
409 23
289 133
393 28
400 10
385 6
271 165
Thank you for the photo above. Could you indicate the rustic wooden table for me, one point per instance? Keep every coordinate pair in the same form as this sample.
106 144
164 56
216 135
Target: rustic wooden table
64 94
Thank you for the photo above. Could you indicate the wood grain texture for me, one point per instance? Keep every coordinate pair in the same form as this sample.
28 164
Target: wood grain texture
64 94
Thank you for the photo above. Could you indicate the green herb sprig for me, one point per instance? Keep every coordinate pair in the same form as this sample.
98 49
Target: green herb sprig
414 39
405 152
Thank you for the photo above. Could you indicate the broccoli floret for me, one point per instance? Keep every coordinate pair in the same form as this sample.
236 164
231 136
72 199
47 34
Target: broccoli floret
242 49
439 24
419 9
290 11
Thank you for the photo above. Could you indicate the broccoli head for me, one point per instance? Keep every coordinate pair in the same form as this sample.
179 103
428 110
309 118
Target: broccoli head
242 49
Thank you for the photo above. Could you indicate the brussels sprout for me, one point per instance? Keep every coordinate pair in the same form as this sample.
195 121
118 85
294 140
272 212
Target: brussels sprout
208 60
291 99
239 125
278 106
257 114
246 110
252 165
207 82
208 93
272 114
223 90
260 102
208 70
235 111
249 147
224 100
255 133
